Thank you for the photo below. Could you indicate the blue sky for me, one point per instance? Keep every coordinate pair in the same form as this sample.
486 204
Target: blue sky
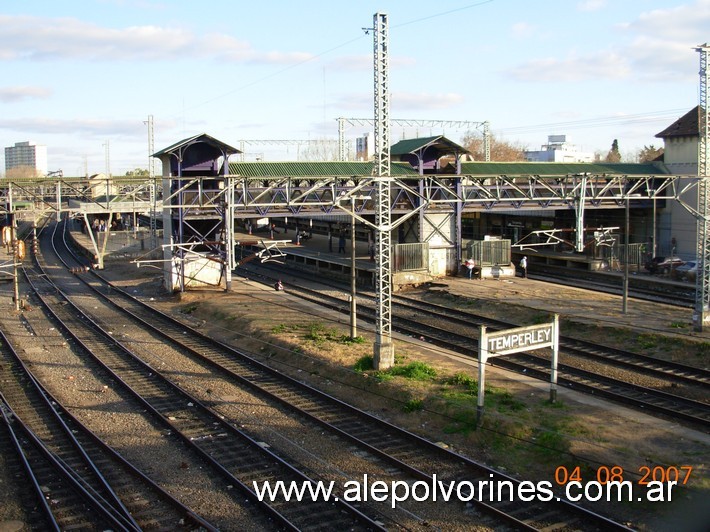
78 75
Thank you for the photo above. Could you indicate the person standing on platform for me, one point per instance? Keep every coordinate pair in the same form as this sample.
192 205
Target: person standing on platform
470 265
341 243
524 266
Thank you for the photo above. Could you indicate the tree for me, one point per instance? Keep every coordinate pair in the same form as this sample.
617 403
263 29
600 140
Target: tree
138 172
22 172
501 150
649 153
614 156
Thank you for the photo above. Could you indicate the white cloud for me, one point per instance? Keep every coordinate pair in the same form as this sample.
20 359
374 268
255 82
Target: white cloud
425 101
658 46
16 94
85 126
687 23
601 65
591 5
36 38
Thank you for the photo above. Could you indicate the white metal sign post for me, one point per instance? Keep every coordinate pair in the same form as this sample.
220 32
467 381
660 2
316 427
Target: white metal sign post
513 341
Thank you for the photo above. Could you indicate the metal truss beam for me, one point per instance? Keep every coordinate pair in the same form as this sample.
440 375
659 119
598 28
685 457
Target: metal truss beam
316 195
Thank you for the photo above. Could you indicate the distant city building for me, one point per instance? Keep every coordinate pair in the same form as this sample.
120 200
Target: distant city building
26 154
558 150
364 147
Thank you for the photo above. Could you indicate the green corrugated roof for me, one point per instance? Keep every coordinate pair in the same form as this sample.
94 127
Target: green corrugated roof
314 169
441 143
483 168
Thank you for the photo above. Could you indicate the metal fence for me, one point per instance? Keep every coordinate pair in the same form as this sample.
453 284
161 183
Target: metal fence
489 252
411 257
636 255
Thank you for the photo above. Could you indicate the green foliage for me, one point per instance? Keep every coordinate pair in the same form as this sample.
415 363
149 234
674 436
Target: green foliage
679 325
541 318
464 422
316 332
551 443
413 405
365 363
703 349
347 340
506 402
138 172
460 379
189 309
614 156
649 153
647 341
319 333
418 371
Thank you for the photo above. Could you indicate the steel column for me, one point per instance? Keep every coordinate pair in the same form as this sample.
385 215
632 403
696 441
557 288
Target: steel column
383 354
701 316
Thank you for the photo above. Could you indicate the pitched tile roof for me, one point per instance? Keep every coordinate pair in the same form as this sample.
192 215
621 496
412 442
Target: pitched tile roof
687 125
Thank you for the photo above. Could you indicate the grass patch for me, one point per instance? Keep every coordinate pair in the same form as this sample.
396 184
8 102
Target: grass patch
418 371
414 405
462 379
319 333
502 400
703 350
464 422
188 309
550 443
647 341
537 319
365 363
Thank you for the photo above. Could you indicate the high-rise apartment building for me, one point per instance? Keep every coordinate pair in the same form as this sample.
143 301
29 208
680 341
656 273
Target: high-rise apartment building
26 154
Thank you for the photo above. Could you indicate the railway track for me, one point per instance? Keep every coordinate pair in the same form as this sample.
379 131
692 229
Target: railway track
228 450
84 483
457 331
678 294
411 455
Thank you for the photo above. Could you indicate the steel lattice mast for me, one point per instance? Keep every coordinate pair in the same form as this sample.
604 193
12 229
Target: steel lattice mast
383 350
702 283
153 185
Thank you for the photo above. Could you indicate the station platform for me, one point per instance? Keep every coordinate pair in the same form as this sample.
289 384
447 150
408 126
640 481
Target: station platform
318 252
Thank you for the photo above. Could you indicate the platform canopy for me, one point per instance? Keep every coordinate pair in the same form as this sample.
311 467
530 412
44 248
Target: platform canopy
424 153
195 155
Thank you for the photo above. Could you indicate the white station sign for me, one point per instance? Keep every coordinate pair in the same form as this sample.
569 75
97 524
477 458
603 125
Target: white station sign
520 339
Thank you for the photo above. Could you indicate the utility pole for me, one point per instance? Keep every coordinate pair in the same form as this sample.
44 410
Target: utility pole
152 186
107 156
625 296
383 350
701 316
353 273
